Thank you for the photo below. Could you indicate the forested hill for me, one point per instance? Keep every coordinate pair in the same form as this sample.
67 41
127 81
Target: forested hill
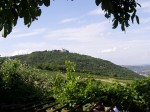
55 60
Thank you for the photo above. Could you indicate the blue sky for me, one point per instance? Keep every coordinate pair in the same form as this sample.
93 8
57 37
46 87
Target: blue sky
81 27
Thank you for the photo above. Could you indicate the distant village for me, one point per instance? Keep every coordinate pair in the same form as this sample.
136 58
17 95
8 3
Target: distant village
144 73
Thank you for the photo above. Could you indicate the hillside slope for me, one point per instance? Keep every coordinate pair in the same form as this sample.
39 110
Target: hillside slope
55 60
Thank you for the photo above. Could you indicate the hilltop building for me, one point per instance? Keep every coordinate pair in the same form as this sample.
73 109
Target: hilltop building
63 50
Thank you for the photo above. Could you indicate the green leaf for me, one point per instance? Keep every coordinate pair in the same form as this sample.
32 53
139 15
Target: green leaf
115 24
4 32
38 12
137 19
9 27
132 18
139 4
15 14
26 21
98 2
107 15
109 5
122 27
46 2
40 2
103 6
126 23
133 15
1 27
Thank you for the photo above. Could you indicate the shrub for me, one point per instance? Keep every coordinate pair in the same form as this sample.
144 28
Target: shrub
19 82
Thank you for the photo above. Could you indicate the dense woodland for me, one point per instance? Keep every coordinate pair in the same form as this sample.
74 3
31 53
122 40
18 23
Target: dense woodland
55 61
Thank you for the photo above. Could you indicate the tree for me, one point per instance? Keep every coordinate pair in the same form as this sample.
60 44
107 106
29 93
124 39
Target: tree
10 10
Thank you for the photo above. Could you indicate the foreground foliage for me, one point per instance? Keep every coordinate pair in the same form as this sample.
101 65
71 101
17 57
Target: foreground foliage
122 11
74 90
10 10
19 83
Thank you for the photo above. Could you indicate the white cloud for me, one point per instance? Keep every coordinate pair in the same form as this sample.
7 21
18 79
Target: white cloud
109 50
145 20
28 34
69 20
126 48
36 45
140 30
97 11
146 6
15 31
20 52
82 34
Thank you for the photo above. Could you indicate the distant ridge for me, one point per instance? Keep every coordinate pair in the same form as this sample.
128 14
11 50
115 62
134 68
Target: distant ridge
140 69
55 60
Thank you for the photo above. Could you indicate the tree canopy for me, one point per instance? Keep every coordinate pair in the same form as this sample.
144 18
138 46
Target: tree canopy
122 12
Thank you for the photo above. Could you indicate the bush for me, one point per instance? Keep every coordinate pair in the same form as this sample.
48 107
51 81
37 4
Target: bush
74 90
19 82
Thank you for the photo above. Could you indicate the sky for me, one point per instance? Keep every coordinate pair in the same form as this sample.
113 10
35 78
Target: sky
80 27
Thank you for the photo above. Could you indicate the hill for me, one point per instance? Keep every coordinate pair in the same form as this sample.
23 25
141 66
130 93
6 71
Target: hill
55 60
